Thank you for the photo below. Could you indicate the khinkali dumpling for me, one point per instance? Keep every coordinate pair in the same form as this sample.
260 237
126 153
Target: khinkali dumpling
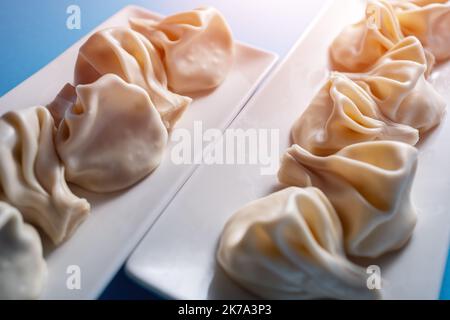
422 2
342 113
360 45
429 21
22 267
132 57
289 245
368 184
112 137
196 46
64 100
32 176
398 86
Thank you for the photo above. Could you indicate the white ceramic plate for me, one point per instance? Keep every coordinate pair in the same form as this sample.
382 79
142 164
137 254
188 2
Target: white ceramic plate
177 256
118 221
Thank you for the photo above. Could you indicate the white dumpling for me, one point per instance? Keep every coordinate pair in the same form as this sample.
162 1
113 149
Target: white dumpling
112 137
368 184
132 57
196 46
423 2
289 245
428 20
342 113
22 267
398 86
360 45
32 176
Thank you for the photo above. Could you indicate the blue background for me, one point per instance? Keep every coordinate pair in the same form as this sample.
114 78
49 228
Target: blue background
33 33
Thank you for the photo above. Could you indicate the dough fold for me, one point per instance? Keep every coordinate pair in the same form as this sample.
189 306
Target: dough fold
289 245
341 114
196 47
129 55
398 86
112 137
23 271
429 21
360 45
32 176
369 185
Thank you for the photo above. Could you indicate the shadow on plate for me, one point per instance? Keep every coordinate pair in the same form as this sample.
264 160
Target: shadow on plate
223 287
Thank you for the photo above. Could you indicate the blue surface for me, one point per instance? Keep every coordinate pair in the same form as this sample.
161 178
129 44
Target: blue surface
33 33
445 287
122 288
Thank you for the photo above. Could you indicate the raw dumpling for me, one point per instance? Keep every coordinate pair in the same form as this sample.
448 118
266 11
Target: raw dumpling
360 45
196 47
429 21
22 267
32 176
424 2
289 245
398 86
368 184
112 137
341 114
64 100
132 57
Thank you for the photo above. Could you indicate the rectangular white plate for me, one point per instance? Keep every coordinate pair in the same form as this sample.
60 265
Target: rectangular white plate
177 256
118 221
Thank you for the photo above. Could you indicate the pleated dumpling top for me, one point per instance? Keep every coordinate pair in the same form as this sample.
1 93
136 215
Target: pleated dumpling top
196 47
396 82
429 21
369 185
112 137
32 176
132 57
360 45
341 114
289 245
23 270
